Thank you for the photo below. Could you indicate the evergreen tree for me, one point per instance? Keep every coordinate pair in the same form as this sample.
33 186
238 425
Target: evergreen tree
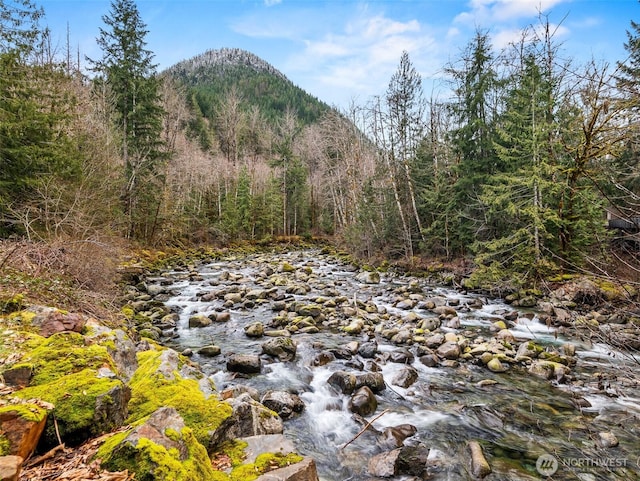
474 112
33 139
520 200
127 69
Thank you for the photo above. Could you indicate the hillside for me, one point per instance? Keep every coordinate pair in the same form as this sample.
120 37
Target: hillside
210 75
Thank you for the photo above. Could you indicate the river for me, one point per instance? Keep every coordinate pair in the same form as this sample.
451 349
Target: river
521 420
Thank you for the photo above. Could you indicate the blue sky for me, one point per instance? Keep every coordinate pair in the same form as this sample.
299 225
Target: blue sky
344 50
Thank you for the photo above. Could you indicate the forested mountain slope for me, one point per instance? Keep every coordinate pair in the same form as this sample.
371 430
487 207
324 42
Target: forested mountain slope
213 74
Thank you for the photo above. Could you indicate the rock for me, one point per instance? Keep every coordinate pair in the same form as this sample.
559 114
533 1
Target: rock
407 460
312 310
363 402
373 380
528 350
505 335
161 448
368 277
405 377
244 363
281 347
57 321
549 370
383 465
223 317
323 358
368 350
199 320
236 391
284 403
210 351
434 340
10 467
495 365
401 356
402 337
22 425
248 418
355 327
445 311
394 436
430 323
479 466
449 350
607 440
305 470
429 360
255 329
266 443
343 381
19 377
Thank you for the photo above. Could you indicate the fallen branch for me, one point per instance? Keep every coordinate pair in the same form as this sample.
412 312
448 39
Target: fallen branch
48 455
365 428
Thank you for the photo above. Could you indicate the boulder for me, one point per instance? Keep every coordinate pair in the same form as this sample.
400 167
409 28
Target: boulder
10 467
368 277
405 377
19 376
363 401
210 350
343 381
199 320
495 365
373 380
284 403
479 466
284 348
22 425
394 436
159 449
449 350
244 363
255 329
57 321
407 460
368 350
248 418
401 356
305 470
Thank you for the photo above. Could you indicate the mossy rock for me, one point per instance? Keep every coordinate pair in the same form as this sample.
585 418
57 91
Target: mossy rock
85 405
62 354
151 461
152 389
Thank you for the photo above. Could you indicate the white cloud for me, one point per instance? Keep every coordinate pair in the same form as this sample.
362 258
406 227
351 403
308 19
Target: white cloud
360 56
271 3
491 11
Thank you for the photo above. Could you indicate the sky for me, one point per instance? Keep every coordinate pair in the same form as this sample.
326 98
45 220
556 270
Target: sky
345 51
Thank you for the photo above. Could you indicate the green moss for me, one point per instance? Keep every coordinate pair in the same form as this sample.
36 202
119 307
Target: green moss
74 397
5 446
263 463
151 390
27 411
61 354
235 450
153 462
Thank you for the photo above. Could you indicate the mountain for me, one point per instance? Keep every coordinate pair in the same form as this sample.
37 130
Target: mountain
210 75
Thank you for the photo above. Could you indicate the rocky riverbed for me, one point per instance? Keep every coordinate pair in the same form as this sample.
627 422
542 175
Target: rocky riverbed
380 375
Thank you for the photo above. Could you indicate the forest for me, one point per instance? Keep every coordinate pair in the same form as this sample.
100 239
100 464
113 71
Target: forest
517 172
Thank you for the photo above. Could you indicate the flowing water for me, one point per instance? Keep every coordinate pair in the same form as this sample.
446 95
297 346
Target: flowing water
517 417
